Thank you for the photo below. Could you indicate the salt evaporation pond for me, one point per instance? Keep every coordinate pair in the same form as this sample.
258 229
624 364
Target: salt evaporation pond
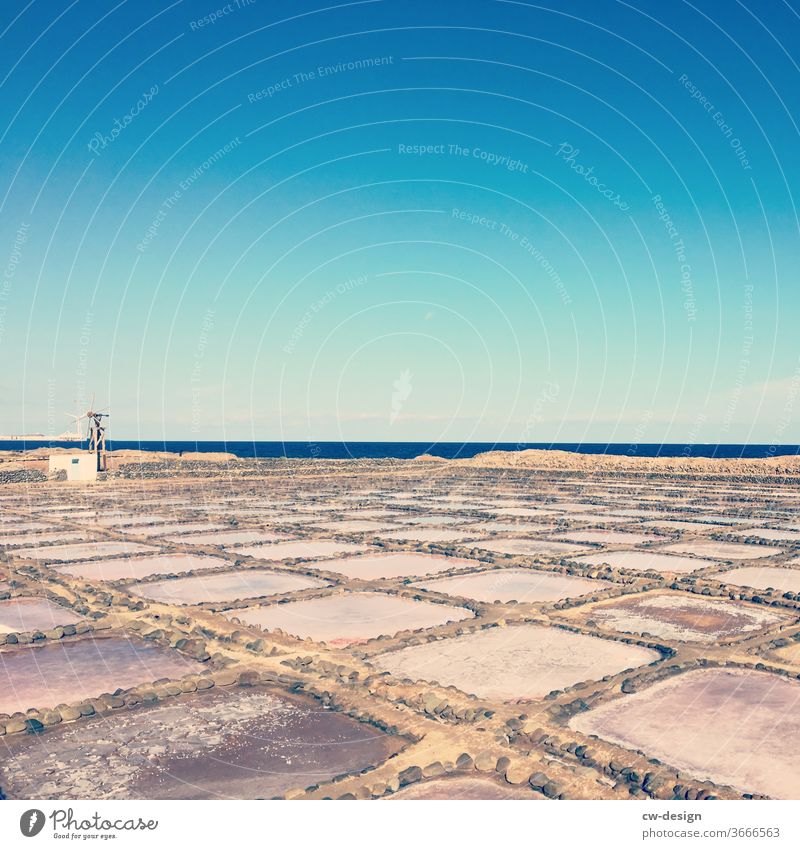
175 528
233 744
761 578
134 568
525 546
770 533
410 519
609 537
82 551
517 662
33 614
399 565
41 539
16 525
683 617
730 726
352 617
228 538
681 525
223 586
645 561
506 527
46 675
306 548
130 519
347 526
515 585
426 535
723 550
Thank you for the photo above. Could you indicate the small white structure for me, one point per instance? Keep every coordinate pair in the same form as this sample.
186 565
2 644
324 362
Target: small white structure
79 467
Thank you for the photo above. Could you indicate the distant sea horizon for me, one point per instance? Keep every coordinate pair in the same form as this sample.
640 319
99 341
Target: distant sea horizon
408 450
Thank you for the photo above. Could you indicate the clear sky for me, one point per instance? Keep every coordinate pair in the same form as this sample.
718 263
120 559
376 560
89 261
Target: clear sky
402 220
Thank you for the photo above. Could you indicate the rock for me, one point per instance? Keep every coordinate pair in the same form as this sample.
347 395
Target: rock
69 713
464 761
248 678
434 769
485 762
16 726
552 789
502 765
51 717
538 780
429 703
410 776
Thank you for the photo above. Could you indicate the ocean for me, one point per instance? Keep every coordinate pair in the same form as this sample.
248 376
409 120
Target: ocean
407 450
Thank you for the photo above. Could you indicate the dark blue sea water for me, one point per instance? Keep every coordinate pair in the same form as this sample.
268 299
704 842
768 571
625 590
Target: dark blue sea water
406 450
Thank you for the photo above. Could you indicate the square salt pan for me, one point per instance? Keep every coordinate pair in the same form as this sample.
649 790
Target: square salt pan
770 533
307 548
524 546
352 617
41 539
345 526
44 676
645 561
680 616
81 551
730 726
134 568
33 614
761 578
224 586
723 550
610 537
399 565
524 585
426 535
177 528
518 662
680 524
9 524
228 537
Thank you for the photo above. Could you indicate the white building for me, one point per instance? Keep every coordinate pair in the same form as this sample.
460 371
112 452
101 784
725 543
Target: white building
79 467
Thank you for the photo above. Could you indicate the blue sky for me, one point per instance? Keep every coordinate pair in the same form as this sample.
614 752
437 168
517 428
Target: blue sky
402 220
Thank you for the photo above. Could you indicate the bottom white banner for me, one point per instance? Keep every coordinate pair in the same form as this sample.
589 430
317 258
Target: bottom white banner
412 823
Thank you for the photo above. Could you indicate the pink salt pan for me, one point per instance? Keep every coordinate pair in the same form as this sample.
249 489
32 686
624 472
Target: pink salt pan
517 662
224 586
515 584
352 617
399 565
33 614
731 726
133 568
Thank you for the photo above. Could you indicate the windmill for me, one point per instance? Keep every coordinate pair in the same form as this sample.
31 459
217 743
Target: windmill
96 434
74 434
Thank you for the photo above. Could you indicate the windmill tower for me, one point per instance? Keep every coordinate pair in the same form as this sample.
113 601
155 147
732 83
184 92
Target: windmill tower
96 434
